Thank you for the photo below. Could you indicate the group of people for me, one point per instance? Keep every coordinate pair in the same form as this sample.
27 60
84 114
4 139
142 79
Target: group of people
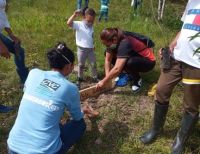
123 51
37 128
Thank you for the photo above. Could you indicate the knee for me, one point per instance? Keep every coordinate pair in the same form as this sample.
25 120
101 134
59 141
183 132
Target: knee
159 90
20 50
162 96
81 125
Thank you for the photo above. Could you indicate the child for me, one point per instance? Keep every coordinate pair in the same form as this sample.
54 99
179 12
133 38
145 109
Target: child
84 41
79 4
104 10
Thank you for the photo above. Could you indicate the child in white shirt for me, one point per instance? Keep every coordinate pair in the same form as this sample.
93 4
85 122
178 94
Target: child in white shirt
84 41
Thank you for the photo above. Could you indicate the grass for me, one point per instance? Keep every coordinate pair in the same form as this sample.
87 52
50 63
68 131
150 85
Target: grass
124 115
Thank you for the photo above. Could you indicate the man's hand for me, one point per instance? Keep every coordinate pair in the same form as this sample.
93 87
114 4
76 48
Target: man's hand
12 36
15 39
160 53
171 49
4 51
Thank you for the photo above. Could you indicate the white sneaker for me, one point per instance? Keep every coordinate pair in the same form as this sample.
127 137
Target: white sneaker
137 87
116 79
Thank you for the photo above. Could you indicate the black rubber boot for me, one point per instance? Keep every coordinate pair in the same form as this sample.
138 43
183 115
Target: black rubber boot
160 112
187 124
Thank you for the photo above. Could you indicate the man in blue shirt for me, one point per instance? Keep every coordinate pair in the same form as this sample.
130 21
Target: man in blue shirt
47 94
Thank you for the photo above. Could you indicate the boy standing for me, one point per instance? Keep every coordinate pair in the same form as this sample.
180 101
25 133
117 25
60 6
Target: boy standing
84 41
104 10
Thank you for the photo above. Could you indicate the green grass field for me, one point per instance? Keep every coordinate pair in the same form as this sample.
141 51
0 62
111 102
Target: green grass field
124 116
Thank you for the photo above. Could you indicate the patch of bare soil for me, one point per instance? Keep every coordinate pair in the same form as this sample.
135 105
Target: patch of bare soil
111 104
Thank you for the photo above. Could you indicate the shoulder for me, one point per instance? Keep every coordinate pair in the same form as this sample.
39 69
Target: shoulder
35 71
124 44
70 86
78 22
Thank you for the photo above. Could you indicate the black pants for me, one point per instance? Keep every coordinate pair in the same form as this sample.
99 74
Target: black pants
137 64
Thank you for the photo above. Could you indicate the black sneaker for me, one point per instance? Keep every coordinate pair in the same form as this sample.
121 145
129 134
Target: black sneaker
137 86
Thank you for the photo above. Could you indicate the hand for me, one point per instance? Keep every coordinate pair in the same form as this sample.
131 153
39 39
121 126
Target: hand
77 13
160 53
89 111
100 85
4 52
15 39
171 48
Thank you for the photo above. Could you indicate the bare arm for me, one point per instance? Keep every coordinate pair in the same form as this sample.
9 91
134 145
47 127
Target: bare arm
115 71
108 61
174 42
71 19
12 36
4 51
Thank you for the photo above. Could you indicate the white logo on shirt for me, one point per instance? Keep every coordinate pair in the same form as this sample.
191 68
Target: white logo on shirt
48 104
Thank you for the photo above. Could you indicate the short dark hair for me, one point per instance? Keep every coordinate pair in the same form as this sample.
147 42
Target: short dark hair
60 55
90 11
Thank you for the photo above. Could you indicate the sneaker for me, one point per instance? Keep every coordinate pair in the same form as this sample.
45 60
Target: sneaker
137 86
5 109
122 80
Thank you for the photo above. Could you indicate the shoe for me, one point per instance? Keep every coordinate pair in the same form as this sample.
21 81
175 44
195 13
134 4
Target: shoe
137 86
187 125
122 80
159 118
5 109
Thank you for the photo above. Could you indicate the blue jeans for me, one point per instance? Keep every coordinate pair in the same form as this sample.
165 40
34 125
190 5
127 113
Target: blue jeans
136 4
103 14
19 57
79 3
71 132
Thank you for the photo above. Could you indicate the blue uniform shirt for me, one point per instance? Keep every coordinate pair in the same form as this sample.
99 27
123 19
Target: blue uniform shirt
46 95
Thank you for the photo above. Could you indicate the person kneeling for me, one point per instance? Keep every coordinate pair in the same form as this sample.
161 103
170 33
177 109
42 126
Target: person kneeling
47 94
